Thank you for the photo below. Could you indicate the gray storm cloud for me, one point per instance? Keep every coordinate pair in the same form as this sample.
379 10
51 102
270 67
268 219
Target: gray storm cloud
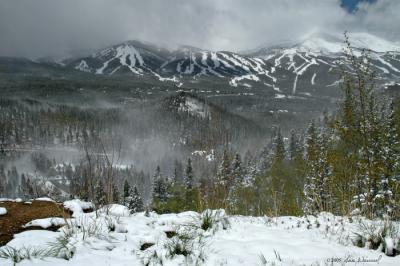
36 28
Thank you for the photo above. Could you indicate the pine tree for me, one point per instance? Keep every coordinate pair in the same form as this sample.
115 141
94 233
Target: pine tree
224 174
318 172
390 152
295 152
127 189
237 182
115 194
296 162
160 187
360 85
324 173
100 196
284 198
237 170
250 170
135 201
310 205
279 155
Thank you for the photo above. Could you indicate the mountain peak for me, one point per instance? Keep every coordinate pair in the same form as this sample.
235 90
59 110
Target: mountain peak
320 42
334 43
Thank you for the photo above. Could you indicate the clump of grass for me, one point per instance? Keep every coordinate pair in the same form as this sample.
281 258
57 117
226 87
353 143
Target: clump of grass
187 240
11 253
210 221
62 248
383 236
181 244
111 224
263 260
87 228
187 243
278 260
207 220
17 255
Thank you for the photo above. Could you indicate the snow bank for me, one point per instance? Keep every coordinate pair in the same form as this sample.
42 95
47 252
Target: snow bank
45 199
32 238
77 206
115 210
46 222
6 199
3 211
10 200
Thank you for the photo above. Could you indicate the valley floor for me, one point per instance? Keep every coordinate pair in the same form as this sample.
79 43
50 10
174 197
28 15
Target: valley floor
113 236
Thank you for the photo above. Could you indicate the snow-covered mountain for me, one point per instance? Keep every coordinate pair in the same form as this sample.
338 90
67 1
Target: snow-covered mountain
128 57
287 68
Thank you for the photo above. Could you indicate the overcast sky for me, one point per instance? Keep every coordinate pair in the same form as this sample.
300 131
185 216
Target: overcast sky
35 28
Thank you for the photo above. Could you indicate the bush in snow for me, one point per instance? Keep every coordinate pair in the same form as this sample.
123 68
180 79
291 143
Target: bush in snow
210 220
380 235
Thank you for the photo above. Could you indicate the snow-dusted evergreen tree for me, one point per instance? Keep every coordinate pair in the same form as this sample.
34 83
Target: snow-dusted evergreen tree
282 198
160 187
279 147
295 148
237 170
115 194
324 172
296 159
135 201
189 176
318 171
278 162
237 182
127 190
224 174
390 152
100 195
251 170
310 204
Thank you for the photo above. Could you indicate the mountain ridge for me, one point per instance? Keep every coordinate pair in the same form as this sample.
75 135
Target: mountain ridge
298 67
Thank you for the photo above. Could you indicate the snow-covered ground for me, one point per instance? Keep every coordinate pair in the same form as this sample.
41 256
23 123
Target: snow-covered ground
46 222
112 236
